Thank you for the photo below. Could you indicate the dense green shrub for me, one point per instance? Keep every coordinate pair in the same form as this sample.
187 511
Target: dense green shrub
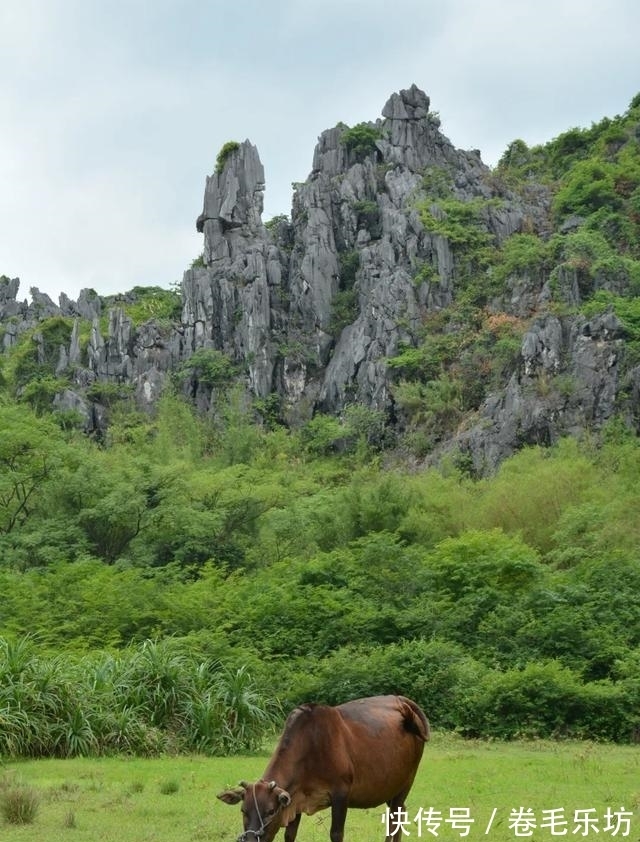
40 393
361 139
460 222
37 352
109 393
344 310
547 699
627 310
437 181
225 153
522 254
348 263
368 216
145 303
439 675
208 366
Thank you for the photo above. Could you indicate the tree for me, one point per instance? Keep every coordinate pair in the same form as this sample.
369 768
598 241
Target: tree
361 139
30 453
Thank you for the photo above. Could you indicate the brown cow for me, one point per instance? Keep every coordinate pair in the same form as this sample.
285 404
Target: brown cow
363 753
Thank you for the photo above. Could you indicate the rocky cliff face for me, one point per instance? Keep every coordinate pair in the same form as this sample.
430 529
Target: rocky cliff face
316 306
567 383
312 308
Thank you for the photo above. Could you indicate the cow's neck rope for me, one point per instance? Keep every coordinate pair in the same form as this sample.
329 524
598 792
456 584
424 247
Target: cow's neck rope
257 833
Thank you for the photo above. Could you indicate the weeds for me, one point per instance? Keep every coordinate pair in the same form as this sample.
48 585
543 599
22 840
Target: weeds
19 804
169 787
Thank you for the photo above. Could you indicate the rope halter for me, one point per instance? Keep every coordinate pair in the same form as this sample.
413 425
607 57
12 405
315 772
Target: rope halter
258 834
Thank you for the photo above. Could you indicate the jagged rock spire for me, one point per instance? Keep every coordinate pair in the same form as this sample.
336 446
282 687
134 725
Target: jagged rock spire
312 309
233 199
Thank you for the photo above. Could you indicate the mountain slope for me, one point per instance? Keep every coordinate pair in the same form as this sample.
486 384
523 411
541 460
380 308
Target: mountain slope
472 310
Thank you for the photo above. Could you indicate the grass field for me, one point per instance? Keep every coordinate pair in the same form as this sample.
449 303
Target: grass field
173 799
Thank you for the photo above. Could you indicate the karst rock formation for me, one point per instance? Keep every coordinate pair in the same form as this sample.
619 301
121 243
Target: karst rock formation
311 308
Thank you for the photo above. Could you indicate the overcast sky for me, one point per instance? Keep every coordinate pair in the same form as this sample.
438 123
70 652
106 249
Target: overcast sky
112 112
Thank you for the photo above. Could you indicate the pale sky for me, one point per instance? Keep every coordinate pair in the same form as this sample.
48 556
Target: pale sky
112 112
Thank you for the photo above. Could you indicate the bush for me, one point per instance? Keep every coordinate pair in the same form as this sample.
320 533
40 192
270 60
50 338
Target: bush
108 393
368 425
549 700
276 221
348 263
169 786
208 366
322 435
588 187
436 673
368 216
626 309
521 254
37 352
41 392
516 156
344 310
460 222
361 139
434 407
146 303
437 181
225 153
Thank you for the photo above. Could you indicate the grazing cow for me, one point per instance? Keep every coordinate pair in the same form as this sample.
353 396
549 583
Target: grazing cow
363 753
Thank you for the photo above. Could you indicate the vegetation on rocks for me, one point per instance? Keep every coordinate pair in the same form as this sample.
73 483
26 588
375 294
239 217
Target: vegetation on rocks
360 139
585 257
142 304
225 153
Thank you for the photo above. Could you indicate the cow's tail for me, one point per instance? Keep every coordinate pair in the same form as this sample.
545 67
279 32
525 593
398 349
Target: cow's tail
414 719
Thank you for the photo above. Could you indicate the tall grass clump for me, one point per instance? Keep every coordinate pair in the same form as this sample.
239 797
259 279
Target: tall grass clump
169 786
146 700
19 804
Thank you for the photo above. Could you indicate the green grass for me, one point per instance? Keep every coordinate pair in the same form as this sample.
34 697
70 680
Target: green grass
122 799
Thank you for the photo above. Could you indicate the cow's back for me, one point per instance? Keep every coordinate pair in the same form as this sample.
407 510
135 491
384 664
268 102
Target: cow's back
367 749
384 739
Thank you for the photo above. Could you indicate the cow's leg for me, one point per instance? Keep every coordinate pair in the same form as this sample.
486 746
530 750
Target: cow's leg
292 829
338 817
397 808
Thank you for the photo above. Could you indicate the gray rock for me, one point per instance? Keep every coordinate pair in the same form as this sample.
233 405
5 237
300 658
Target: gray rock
88 306
70 400
568 383
314 307
9 306
42 306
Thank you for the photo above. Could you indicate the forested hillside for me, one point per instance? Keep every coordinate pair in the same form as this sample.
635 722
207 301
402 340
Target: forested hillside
178 573
506 606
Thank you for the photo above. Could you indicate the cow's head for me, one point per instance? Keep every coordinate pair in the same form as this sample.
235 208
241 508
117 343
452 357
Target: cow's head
264 809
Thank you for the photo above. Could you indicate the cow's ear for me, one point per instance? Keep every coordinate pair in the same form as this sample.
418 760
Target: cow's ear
284 798
231 796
